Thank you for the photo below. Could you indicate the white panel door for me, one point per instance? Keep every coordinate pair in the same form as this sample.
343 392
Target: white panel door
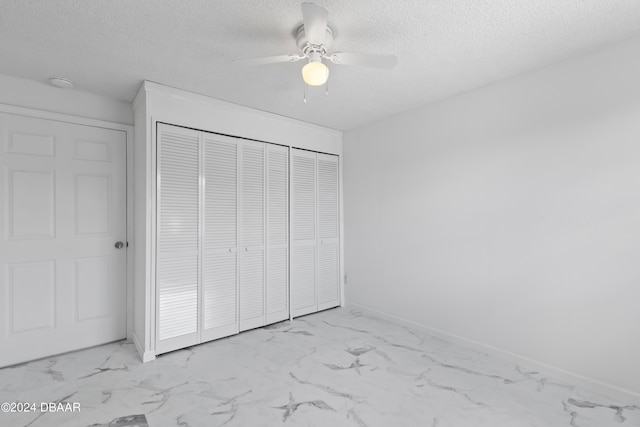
220 237
303 233
63 200
252 235
328 241
277 303
177 251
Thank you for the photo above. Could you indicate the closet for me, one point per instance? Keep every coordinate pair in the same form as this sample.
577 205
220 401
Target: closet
222 236
236 219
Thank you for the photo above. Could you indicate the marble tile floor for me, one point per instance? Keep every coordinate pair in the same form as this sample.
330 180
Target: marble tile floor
335 368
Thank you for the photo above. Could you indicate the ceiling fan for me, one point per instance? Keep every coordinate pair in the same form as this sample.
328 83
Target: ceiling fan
315 38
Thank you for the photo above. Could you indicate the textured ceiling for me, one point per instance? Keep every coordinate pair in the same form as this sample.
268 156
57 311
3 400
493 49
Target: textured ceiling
444 47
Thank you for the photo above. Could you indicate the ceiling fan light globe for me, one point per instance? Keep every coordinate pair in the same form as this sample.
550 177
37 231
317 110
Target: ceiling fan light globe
315 73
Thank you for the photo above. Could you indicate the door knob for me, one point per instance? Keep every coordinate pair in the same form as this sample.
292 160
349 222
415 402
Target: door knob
119 245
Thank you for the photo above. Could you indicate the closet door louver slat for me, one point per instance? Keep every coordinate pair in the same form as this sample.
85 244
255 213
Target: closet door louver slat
177 237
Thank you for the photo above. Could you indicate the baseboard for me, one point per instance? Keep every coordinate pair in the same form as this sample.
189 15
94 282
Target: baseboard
619 394
146 356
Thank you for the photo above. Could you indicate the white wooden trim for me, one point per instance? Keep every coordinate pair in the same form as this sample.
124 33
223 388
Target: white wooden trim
182 108
152 209
341 268
146 356
67 118
290 240
201 202
179 94
130 228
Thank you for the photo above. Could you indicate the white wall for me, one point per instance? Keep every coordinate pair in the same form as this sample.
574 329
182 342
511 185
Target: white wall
42 96
510 216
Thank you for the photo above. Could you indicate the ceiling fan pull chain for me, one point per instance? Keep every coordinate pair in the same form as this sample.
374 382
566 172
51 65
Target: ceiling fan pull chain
326 89
305 94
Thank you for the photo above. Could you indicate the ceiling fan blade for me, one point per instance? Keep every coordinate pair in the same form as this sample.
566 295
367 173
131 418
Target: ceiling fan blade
315 22
268 60
363 59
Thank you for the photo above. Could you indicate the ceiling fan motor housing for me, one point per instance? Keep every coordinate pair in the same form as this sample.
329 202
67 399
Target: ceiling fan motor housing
303 43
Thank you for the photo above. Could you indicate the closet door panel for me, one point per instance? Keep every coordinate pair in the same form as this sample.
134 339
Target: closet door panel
328 223
303 280
303 232
220 237
277 268
328 276
219 299
303 196
277 285
252 232
177 238
252 290
327 196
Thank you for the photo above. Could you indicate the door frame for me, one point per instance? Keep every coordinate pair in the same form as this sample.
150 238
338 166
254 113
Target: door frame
128 130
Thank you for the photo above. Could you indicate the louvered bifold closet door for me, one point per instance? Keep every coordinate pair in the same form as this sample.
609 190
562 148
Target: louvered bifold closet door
328 226
177 238
252 235
277 303
220 237
303 233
